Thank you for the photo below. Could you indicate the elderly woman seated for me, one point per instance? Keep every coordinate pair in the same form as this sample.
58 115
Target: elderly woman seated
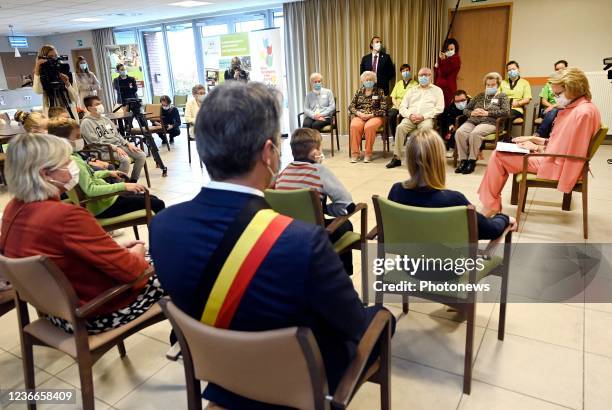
38 169
368 108
575 126
319 105
482 111
94 184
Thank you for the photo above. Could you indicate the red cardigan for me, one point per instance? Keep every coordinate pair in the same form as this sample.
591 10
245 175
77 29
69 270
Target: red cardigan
76 243
446 77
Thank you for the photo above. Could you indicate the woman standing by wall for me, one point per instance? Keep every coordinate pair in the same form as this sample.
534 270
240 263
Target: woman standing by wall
87 82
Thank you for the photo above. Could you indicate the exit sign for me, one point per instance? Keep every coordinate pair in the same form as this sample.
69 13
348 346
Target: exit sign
79 43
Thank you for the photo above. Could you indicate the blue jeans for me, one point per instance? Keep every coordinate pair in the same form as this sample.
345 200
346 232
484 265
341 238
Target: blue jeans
545 128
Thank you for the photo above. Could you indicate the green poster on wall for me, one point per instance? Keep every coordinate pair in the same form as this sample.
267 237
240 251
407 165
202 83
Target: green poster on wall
235 45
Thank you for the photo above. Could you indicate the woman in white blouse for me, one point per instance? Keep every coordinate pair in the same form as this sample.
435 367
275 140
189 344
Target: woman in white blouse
87 82
193 106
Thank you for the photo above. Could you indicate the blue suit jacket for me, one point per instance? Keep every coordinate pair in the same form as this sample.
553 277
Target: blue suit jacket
301 282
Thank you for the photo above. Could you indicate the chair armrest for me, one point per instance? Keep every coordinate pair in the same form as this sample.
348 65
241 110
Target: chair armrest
103 148
352 375
110 294
372 234
527 156
96 152
338 221
506 237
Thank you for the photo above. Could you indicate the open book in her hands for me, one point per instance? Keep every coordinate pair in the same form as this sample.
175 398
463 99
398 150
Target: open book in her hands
511 147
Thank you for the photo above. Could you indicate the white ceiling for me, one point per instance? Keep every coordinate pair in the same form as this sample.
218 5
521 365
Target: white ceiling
47 17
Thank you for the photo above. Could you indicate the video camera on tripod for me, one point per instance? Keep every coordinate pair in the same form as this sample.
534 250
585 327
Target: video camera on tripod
134 105
52 83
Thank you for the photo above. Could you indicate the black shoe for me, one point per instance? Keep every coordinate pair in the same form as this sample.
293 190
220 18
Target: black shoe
469 168
394 163
461 167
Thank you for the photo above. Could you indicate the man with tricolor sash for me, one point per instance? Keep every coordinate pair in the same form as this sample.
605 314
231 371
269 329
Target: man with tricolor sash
230 261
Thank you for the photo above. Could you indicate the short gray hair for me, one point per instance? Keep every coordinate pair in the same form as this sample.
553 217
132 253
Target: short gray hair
425 68
371 75
233 124
26 156
492 76
196 88
313 76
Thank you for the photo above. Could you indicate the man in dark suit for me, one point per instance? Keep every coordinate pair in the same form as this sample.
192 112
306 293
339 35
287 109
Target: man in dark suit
379 62
296 279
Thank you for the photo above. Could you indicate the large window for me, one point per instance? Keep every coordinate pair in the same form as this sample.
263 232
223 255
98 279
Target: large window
250 23
181 50
157 61
214 29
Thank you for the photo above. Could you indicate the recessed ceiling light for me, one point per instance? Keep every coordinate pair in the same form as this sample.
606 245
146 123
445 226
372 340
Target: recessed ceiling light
190 3
86 19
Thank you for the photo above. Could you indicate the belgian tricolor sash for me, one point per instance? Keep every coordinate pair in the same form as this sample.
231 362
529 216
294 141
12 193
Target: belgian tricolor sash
233 264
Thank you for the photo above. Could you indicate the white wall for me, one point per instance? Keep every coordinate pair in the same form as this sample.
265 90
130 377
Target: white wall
65 43
544 31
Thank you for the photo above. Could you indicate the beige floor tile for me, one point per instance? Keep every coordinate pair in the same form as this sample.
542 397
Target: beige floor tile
483 311
50 360
55 383
413 387
433 341
486 397
165 390
597 376
11 375
598 332
547 322
159 331
9 336
541 370
115 377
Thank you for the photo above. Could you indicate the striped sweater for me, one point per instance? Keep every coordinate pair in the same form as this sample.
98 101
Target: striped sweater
301 174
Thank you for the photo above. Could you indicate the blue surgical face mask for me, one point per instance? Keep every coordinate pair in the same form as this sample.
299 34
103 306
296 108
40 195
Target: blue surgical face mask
368 84
513 73
491 90
423 80
123 73
83 66
317 86
461 105
406 74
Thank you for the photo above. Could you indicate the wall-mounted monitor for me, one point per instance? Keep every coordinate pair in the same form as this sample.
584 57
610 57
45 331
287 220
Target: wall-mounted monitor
18 41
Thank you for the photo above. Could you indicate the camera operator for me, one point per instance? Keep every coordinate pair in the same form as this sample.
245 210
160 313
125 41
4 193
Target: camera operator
235 72
49 53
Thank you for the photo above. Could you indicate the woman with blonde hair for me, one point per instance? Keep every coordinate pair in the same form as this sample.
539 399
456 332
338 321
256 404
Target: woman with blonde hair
574 127
367 109
32 121
46 53
426 187
87 81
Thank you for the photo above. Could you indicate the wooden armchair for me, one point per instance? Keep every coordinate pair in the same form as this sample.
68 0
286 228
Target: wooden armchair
108 152
153 114
39 282
328 129
383 130
489 141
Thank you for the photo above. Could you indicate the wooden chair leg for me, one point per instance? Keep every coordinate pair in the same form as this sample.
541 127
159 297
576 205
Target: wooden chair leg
585 210
469 349
28 366
189 148
405 305
87 390
121 348
567 201
515 190
521 202
365 289
337 140
455 157
136 235
147 176
385 370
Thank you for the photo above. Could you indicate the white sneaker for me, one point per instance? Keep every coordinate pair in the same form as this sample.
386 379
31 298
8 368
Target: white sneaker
367 160
450 153
353 160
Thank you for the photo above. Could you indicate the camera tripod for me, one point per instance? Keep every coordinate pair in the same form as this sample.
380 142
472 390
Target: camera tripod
148 140
58 97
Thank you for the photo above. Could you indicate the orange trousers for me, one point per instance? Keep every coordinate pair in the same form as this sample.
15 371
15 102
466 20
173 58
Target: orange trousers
358 128
502 164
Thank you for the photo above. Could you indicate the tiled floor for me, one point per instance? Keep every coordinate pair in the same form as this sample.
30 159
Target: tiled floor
554 356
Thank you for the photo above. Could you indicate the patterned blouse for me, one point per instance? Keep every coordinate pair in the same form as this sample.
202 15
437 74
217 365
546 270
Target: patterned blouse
375 104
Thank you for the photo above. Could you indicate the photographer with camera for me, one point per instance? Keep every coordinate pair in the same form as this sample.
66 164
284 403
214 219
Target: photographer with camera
52 80
97 129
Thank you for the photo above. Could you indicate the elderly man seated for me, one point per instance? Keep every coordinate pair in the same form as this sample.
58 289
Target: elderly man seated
319 105
419 107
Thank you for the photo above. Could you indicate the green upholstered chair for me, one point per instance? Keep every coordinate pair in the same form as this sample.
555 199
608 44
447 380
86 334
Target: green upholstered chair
441 232
328 129
305 205
131 219
489 141
523 181
180 101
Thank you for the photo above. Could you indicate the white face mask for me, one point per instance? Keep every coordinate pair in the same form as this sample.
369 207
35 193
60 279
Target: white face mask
74 170
100 109
78 145
562 100
376 47
200 98
450 53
